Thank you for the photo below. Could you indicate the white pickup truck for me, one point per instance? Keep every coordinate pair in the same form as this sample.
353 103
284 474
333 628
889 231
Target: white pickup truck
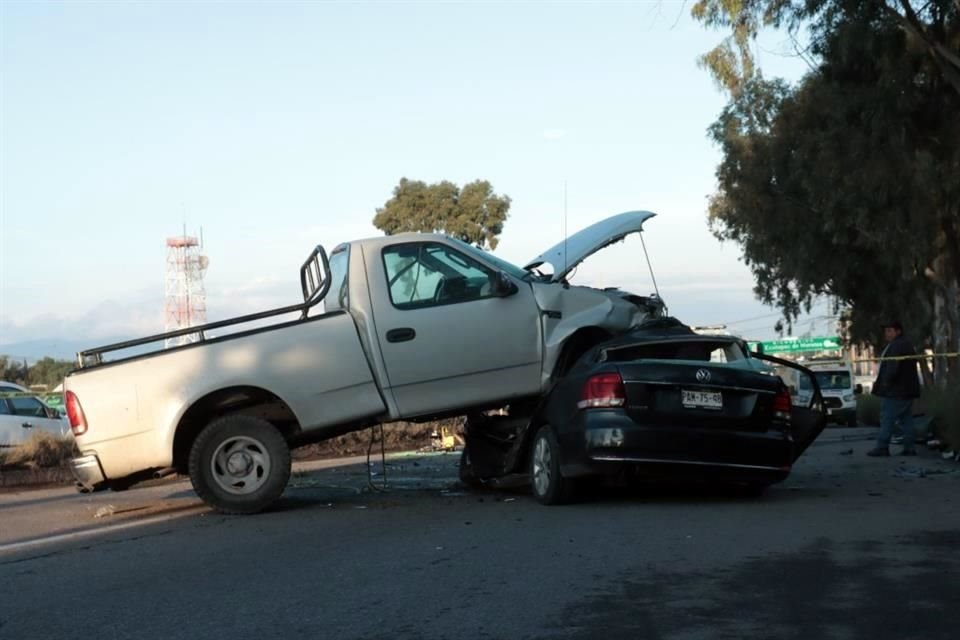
412 326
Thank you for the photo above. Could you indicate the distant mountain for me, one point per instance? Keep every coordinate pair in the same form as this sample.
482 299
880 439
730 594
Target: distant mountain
60 349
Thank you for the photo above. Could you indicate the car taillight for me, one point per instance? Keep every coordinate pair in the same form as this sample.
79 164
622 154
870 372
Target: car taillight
78 421
603 390
782 405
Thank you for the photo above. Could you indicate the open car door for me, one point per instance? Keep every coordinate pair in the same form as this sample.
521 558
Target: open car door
808 416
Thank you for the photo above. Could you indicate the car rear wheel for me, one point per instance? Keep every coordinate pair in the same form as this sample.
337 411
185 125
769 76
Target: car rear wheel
239 464
547 484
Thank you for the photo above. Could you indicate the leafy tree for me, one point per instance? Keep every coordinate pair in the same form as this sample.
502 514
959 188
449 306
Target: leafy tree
931 29
474 213
49 372
12 370
848 183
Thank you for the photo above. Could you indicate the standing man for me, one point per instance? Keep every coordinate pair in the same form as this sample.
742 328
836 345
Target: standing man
897 385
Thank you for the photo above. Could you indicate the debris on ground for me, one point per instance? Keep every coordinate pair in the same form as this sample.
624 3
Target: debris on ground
111 510
918 472
909 472
304 482
106 511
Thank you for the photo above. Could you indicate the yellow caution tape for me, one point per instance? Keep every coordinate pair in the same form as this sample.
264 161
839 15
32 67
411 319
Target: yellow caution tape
813 363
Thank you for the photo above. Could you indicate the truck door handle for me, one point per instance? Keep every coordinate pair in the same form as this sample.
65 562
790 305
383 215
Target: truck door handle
27 425
401 335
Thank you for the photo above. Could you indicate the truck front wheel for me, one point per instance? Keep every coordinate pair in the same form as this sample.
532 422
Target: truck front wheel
239 464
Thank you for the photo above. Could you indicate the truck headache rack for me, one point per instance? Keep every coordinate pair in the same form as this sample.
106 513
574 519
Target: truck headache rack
314 283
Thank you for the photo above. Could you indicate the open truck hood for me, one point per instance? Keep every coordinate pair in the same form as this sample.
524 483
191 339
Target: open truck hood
566 255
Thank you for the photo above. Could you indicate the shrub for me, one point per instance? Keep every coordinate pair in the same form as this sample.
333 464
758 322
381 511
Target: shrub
41 451
943 407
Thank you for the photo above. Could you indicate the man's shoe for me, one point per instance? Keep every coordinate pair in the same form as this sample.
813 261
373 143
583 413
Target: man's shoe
908 452
879 452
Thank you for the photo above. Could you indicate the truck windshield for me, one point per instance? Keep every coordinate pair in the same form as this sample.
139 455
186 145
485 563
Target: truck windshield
489 258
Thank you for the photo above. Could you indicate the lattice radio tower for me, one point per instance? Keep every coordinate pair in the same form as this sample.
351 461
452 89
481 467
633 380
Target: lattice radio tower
186 298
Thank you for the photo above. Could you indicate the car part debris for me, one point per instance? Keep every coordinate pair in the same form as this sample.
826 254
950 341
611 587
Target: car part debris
106 511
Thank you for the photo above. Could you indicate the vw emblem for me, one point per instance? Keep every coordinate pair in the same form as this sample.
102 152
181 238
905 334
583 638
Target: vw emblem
703 375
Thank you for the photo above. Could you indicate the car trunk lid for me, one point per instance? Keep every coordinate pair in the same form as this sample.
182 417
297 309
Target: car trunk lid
707 395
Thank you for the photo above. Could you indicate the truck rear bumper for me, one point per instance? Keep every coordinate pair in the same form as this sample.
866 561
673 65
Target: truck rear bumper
88 472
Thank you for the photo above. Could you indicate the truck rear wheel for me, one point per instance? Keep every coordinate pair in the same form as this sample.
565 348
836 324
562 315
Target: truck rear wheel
239 464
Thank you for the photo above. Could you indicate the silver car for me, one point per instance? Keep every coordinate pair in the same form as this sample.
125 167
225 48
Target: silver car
23 414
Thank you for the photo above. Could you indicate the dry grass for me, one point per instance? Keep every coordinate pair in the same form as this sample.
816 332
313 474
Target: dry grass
42 451
398 436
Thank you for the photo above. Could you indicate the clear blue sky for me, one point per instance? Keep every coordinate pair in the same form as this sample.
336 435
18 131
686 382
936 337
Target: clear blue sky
277 126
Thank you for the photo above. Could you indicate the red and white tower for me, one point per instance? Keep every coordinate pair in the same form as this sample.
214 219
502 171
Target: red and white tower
186 298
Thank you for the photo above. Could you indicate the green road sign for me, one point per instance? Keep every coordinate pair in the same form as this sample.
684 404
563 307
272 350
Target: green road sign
799 345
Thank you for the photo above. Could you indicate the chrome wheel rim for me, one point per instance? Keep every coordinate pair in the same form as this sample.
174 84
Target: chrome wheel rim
240 465
542 458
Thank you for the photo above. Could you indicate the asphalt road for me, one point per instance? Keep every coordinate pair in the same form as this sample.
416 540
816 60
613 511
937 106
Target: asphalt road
848 547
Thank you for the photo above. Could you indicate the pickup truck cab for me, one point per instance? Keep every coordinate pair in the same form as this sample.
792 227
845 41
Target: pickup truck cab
413 326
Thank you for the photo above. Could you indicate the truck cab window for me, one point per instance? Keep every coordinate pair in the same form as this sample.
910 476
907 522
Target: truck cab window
337 298
429 274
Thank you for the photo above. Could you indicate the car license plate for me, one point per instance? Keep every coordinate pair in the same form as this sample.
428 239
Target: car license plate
701 399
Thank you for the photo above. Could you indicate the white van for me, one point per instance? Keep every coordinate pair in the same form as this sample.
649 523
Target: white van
839 389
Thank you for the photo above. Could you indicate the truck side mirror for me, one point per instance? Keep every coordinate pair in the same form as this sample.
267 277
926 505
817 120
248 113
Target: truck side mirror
503 286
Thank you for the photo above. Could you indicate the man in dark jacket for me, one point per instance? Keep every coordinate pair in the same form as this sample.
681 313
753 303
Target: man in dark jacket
898 383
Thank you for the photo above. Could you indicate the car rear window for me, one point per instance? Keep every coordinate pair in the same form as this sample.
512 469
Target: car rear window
695 350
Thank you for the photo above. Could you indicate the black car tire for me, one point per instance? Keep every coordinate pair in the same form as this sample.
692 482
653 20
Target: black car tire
547 484
468 473
255 448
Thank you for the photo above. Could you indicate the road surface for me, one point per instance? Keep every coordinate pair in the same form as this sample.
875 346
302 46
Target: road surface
849 547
